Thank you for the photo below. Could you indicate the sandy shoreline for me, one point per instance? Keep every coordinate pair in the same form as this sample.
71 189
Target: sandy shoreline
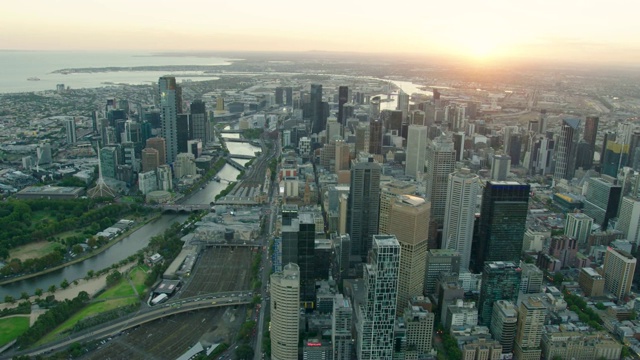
91 286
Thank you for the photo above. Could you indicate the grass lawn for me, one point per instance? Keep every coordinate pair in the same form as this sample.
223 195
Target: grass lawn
89 311
33 250
137 276
11 328
121 289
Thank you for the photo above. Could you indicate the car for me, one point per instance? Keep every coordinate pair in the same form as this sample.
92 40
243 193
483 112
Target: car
214 302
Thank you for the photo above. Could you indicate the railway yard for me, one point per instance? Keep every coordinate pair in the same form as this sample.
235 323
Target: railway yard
216 270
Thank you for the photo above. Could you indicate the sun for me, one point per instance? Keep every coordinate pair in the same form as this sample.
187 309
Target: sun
480 49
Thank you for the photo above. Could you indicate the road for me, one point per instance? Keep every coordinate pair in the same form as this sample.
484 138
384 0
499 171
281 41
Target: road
141 317
266 259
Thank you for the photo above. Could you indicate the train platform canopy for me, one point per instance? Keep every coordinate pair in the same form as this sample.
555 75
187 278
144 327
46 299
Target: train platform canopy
167 287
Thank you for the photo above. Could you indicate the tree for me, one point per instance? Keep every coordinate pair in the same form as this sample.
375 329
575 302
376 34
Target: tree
38 292
90 274
77 249
558 278
64 284
52 288
244 352
600 306
9 299
24 295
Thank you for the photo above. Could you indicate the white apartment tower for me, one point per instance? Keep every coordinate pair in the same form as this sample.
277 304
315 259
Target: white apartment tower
619 267
416 151
285 324
376 316
441 161
462 193
531 316
629 219
578 226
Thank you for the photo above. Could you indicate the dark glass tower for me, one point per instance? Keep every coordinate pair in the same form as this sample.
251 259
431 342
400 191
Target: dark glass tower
503 216
375 137
500 281
183 132
199 125
316 110
590 131
364 207
343 98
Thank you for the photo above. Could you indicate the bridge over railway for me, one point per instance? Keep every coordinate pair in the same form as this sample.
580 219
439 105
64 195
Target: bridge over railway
143 316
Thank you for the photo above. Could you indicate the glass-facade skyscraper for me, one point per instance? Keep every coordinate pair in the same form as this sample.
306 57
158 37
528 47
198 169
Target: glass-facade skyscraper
500 281
503 216
170 107
364 206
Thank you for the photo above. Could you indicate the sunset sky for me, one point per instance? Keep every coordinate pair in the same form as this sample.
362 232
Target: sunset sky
583 31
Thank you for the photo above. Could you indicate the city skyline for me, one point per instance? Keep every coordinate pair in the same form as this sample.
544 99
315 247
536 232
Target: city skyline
483 33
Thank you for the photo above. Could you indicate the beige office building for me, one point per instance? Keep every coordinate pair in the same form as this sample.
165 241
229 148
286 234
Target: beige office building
285 322
388 194
531 316
409 222
619 267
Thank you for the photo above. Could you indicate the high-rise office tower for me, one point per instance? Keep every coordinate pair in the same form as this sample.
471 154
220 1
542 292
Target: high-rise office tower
629 219
500 281
531 316
409 222
200 127
615 153
341 322
170 107
374 107
619 268
388 195
150 159
532 279
458 144
288 96
500 167
109 160
462 193
364 206
515 148
298 240
343 156
542 154
503 215
590 132
279 96
284 306
183 121
318 117
375 137
70 130
416 151
439 261
158 143
343 98
362 138
578 226
602 200
441 160
503 324
376 316
403 104
508 132
567 149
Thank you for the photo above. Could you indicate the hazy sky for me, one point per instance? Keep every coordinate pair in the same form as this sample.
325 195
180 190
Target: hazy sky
581 30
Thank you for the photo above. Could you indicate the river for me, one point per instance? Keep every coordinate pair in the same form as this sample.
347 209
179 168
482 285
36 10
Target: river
127 246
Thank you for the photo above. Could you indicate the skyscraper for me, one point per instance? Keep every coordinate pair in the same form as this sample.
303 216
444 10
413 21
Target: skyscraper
170 107
416 151
70 130
531 316
419 323
457 234
376 316
590 132
441 160
503 216
500 281
619 268
629 219
403 104
503 324
318 117
375 137
567 149
341 322
158 144
343 98
500 167
200 127
284 306
364 206
306 258
388 195
602 200
578 226
439 261
183 125
410 224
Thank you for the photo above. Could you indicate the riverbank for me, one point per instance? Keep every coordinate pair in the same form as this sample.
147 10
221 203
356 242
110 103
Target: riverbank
93 253
91 286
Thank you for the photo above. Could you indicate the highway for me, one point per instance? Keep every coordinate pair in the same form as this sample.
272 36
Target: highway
141 317
266 259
